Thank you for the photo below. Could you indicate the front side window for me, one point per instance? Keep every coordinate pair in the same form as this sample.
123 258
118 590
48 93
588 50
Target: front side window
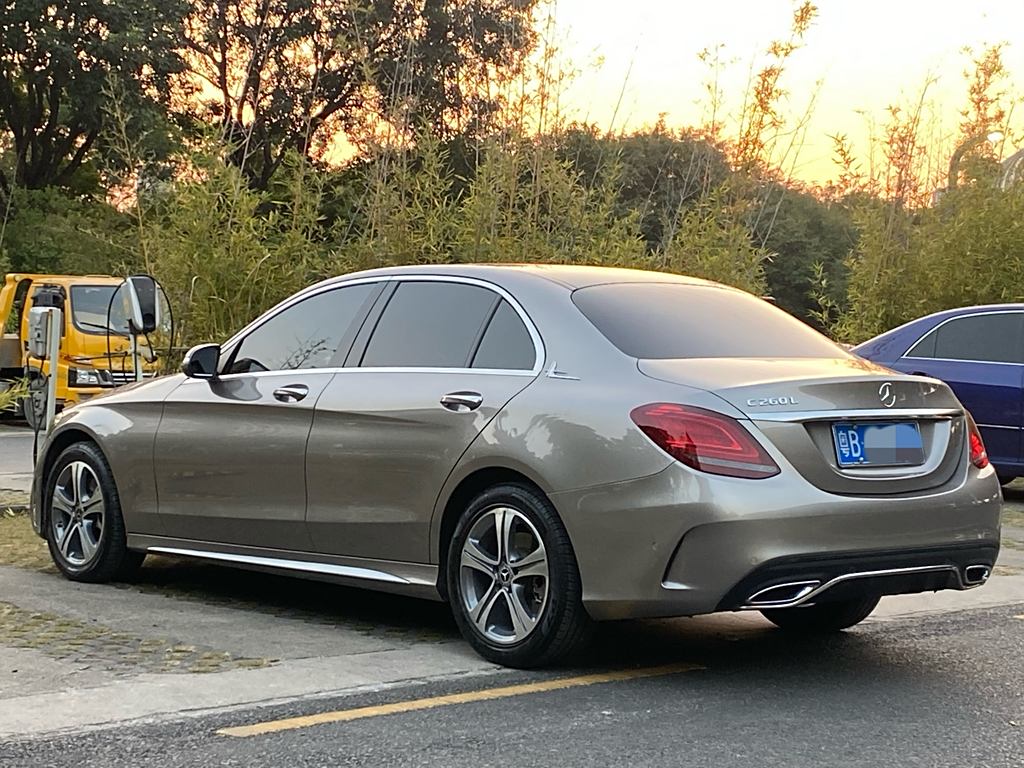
314 333
430 324
991 338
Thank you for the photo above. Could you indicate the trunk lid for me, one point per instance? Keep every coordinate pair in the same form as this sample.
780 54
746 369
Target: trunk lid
795 402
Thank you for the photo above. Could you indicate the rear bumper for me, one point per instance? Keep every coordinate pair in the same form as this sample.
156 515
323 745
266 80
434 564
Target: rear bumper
682 543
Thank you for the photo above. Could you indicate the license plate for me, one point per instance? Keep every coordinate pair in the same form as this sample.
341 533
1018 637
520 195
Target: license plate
878 444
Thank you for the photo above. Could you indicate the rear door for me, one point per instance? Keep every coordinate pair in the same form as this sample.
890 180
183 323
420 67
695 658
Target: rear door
230 452
441 360
980 357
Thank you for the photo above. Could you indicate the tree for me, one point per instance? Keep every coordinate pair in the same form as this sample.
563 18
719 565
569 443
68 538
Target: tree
283 75
658 172
55 60
804 232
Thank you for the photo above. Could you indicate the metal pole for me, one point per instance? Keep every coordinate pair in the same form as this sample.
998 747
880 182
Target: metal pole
136 358
53 353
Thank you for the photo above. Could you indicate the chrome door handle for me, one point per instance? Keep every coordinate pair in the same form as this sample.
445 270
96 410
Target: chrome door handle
292 393
460 402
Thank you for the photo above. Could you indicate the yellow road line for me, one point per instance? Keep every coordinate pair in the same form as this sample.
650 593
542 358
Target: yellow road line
344 715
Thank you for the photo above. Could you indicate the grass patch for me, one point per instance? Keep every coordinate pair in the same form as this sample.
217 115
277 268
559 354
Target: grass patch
20 546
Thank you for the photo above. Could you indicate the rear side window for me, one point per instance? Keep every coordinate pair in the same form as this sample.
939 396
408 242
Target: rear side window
430 324
991 338
506 343
658 321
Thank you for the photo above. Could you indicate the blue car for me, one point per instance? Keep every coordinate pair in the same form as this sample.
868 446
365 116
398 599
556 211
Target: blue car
979 352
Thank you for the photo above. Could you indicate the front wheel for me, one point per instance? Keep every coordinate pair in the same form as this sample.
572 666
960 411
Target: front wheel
823 617
513 580
84 527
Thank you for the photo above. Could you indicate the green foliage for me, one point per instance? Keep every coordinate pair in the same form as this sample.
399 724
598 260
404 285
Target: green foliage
522 204
712 241
49 232
803 233
656 172
12 393
968 249
56 58
225 252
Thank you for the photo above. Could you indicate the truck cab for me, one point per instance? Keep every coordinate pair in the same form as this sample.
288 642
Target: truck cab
92 359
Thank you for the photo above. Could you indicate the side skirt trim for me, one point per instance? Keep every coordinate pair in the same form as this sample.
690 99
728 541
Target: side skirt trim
414 579
327 569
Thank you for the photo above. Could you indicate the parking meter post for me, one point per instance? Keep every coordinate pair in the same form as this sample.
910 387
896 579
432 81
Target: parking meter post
52 358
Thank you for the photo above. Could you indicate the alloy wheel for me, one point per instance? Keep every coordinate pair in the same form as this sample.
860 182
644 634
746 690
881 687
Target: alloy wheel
77 514
504 575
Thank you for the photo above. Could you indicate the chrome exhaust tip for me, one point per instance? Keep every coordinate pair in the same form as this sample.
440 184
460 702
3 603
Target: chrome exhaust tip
976 574
782 595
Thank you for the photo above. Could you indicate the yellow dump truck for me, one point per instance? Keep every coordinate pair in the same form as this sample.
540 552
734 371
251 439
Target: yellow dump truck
91 360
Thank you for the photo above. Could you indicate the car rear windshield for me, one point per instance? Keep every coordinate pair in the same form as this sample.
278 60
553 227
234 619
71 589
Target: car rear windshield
657 321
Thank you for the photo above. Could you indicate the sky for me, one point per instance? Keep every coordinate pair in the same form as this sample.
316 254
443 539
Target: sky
638 59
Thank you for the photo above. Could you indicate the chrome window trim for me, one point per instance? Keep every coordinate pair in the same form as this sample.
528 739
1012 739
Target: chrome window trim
957 360
999 426
907 356
336 283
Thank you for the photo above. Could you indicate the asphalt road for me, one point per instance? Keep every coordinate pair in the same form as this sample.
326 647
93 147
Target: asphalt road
15 457
935 691
148 673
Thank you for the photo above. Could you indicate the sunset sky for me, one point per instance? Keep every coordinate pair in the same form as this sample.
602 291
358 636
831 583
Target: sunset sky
867 54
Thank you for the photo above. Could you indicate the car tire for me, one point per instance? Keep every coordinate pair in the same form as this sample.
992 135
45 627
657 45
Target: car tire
823 617
510 613
1005 480
85 529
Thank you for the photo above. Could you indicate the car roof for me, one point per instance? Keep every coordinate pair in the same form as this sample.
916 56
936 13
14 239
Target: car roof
570 276
66 279
975 310
919 326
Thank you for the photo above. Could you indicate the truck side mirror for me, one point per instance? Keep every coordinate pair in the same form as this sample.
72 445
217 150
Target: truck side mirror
202 361
144 303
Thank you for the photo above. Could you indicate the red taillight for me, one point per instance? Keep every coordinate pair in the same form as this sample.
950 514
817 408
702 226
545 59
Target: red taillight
979 456
704 440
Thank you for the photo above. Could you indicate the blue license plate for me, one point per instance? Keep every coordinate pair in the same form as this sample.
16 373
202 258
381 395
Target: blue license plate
878 444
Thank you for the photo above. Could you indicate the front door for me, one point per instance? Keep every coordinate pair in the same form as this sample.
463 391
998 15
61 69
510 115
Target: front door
230 453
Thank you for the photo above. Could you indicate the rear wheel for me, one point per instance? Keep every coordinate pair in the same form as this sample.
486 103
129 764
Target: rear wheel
823 617
84 527
513 580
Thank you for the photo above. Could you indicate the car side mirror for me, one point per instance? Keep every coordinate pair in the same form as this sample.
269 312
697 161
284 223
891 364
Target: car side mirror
202 361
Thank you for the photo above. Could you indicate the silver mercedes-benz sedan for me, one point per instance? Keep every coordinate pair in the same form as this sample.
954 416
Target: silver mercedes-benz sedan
542 447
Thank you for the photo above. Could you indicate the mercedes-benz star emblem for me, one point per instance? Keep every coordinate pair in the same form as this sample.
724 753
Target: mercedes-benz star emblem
886 395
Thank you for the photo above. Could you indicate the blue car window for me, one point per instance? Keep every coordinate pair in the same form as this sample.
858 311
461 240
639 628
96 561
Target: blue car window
993 337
